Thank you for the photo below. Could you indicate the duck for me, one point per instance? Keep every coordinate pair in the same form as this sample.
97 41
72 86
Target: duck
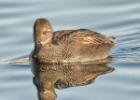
67 46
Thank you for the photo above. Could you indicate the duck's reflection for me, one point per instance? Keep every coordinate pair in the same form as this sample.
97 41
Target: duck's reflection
48 77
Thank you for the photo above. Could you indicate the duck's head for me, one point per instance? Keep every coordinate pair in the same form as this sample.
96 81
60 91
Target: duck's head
42 31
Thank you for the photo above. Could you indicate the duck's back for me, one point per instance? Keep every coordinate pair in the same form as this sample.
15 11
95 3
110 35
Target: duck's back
81 36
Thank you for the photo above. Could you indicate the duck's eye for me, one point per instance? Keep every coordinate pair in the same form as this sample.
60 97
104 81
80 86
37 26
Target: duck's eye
44 33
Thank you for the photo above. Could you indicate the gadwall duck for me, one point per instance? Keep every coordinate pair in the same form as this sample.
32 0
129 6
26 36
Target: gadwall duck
67 46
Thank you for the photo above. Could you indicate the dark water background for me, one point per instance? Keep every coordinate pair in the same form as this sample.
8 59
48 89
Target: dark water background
120 18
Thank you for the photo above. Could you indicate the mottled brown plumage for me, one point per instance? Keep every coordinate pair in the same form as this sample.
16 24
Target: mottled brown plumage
66 46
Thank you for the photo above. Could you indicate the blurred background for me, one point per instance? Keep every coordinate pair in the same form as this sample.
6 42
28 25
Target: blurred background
119 18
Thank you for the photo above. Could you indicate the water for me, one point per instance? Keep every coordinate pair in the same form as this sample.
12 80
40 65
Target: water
118 18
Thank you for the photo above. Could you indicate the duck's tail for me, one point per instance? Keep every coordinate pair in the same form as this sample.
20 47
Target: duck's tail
112 38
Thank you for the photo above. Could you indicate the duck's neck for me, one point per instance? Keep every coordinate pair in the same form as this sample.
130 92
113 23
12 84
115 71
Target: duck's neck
47 44
37 48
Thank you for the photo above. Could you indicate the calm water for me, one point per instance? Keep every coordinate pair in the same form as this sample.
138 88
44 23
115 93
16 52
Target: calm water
120 18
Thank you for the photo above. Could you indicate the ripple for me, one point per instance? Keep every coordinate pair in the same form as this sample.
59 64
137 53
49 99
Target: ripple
118 18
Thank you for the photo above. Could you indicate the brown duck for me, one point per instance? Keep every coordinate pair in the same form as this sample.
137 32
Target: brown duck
65 46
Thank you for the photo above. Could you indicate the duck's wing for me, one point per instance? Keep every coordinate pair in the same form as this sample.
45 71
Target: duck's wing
82 37
58 35
96 40
90 38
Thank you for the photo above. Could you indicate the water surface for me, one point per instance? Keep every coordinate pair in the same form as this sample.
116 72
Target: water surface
120 18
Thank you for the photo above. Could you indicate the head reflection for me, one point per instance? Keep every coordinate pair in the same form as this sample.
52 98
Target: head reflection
51 76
